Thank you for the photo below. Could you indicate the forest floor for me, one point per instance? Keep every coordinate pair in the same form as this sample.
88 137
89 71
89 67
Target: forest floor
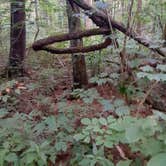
49 84
55 83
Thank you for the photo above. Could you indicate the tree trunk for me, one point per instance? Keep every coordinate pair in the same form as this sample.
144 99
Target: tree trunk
78 60
88 22
139 9
17 38
164 35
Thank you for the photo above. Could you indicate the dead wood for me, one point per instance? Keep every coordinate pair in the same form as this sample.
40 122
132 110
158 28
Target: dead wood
39 44
72 50
101 19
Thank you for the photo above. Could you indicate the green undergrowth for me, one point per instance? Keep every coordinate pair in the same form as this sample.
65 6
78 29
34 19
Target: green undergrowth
39 138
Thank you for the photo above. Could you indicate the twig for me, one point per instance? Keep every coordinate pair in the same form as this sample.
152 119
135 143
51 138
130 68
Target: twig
122 154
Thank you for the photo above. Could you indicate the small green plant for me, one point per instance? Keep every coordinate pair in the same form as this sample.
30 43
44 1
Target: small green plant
158 75
87 96
25 141
101 79
144 135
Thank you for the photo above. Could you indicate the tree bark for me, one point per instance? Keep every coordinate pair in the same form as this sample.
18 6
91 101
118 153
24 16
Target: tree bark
88 22
17 39
79 49
139 9
164 35
78 60
37 45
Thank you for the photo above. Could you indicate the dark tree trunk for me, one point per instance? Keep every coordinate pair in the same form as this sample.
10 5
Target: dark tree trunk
78 60
139 9
17 38
164 35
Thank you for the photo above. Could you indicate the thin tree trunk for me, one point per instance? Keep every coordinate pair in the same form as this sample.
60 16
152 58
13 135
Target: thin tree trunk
139 8
164 35
78 60
17 38
88 22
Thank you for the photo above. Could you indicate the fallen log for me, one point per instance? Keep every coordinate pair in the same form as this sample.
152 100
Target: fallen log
103 20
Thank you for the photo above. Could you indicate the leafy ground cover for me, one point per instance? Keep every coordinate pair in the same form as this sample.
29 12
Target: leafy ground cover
43 122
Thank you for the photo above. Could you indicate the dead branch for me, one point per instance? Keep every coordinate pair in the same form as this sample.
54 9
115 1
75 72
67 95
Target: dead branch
39 44
101 19
73 50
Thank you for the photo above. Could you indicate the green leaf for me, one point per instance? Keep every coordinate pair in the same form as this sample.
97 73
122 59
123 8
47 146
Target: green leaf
29 158
111 119
103 121
147 69
61 146
94 121
106 162
3 153
150 147
123 110
11 157
108 143
45 144
86 121
99 140
107 105
17 91
158 160
87 139
51 122
85 162
119 102
133 133
5 98
39 128
159 114
78 137
3 112
124 163
43 157
161 67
